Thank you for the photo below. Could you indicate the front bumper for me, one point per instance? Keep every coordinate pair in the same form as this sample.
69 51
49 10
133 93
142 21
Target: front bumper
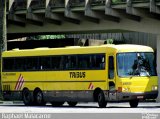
137 96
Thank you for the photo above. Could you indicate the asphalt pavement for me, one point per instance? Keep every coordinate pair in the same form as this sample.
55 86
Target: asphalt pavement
17 110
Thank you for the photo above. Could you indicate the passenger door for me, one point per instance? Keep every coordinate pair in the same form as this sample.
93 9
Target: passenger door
111 78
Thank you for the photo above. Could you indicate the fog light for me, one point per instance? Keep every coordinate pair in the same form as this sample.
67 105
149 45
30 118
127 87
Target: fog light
154 88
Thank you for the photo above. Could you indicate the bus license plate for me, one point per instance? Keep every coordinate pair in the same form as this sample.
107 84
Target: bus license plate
139 97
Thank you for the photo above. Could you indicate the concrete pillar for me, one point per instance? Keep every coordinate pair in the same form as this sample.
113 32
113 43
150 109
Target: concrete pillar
158 64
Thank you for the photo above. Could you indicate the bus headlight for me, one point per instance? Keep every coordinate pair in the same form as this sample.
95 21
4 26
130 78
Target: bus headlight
154 88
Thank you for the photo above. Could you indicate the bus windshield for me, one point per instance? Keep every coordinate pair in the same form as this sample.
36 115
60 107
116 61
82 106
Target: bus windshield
136 64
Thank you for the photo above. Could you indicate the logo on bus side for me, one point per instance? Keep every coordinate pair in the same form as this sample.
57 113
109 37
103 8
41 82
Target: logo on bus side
19 83
9 74
77 74
91 86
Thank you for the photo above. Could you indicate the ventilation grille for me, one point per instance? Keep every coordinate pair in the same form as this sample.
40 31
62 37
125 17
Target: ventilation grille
6 88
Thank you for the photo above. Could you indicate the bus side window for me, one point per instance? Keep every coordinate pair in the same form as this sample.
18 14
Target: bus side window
111 67
102 63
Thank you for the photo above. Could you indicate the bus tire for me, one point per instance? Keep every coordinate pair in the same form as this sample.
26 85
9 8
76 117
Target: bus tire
26 97
133 103
101 100
38 98
72 104
57 104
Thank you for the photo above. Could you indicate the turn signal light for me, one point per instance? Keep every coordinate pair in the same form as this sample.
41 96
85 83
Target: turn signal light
119 89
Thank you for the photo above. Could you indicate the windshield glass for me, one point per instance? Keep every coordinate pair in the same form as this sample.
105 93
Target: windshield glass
136 64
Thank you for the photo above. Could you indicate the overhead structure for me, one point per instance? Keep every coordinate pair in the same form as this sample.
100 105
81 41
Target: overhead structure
83 16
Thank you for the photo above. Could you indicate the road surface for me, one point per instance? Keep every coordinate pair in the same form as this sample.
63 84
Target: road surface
82 111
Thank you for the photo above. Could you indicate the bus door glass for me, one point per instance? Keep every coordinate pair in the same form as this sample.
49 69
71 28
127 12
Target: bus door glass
111 77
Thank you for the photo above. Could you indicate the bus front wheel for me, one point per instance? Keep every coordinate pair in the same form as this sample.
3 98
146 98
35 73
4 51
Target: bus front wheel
133 103
101 100
26 96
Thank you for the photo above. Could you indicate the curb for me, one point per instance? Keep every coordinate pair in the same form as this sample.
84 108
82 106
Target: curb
11 102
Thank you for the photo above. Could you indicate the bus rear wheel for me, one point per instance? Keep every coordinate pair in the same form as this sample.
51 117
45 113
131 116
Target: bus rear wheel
133 103
38 98
26 96
72 104
101 100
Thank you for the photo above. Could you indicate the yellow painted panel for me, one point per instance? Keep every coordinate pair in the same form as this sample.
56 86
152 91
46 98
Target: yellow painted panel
58 80
139 84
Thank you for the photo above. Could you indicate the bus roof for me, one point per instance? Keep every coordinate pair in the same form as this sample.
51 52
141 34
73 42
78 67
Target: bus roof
132 48
77 50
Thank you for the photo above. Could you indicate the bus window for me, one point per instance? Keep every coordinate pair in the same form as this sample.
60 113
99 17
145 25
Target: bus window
8 64
102 62
55 62
98 61
111 67
83 61
70 62
19 64
31 63
45 63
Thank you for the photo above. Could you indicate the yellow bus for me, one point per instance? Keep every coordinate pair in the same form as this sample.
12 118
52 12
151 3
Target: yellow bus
80 74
